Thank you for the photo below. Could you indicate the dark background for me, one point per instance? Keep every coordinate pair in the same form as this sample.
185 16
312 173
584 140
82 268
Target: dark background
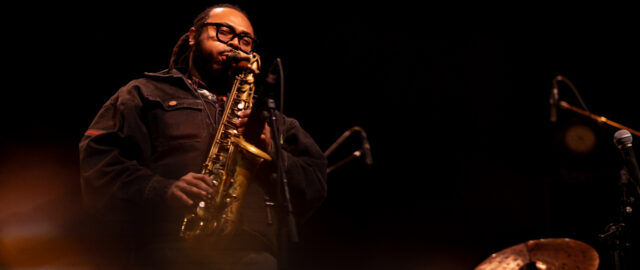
453 98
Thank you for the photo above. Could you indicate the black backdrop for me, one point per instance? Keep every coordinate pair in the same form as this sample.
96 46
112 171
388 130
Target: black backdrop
454 100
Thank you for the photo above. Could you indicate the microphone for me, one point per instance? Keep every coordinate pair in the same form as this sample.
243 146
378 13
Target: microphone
258 116
622 138
273 73
366 148
553 100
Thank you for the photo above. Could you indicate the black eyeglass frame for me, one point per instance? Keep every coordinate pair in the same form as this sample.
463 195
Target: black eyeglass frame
240 36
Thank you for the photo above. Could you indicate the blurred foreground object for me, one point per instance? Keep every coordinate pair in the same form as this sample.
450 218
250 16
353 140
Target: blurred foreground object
548 254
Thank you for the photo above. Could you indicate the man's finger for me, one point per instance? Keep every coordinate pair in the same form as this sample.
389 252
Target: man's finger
191 190
200 181
244 113
184 198
176 196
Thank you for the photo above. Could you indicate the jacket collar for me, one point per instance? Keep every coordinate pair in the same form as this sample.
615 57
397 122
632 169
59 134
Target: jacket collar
167 73
174 74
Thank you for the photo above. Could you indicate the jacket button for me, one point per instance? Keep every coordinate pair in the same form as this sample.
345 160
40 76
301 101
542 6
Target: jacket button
173 103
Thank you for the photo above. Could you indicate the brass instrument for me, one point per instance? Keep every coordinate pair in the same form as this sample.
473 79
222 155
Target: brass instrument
229 163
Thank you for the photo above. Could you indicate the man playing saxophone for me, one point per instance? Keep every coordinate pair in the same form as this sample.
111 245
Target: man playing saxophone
141 158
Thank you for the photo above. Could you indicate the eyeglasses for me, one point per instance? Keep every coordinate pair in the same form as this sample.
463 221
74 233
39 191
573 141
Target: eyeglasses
225 34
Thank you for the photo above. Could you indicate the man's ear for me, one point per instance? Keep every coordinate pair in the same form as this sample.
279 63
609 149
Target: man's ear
192 36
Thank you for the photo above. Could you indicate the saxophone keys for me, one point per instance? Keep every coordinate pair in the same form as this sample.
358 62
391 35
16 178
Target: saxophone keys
202 211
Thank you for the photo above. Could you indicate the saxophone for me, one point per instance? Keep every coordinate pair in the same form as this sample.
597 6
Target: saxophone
229 163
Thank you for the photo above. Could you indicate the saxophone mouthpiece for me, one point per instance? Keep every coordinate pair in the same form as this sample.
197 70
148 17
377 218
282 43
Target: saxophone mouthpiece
244 62
239 60
236 57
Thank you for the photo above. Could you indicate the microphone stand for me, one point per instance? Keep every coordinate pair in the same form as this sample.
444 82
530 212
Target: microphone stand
616 233
554 100
599 119
339 164
272 120
265 111
351 157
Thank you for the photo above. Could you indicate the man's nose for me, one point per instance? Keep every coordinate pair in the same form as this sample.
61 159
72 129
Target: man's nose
234 43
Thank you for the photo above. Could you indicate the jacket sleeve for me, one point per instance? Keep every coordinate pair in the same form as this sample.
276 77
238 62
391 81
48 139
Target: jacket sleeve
114 153
305 168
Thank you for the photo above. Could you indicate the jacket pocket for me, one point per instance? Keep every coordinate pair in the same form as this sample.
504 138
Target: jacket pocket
178 120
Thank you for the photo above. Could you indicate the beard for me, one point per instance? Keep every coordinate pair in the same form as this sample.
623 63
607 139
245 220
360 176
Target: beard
215 73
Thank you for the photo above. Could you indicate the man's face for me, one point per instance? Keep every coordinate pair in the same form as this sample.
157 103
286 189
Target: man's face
210 53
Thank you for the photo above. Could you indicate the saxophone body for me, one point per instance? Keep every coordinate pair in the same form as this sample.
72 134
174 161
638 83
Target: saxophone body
229 164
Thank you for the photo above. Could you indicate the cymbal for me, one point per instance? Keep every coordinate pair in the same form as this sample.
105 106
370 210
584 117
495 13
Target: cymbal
547 254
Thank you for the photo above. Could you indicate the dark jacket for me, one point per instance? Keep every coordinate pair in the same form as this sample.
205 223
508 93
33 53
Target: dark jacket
158 128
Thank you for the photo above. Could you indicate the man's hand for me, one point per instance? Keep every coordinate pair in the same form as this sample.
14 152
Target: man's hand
188 188
265 137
